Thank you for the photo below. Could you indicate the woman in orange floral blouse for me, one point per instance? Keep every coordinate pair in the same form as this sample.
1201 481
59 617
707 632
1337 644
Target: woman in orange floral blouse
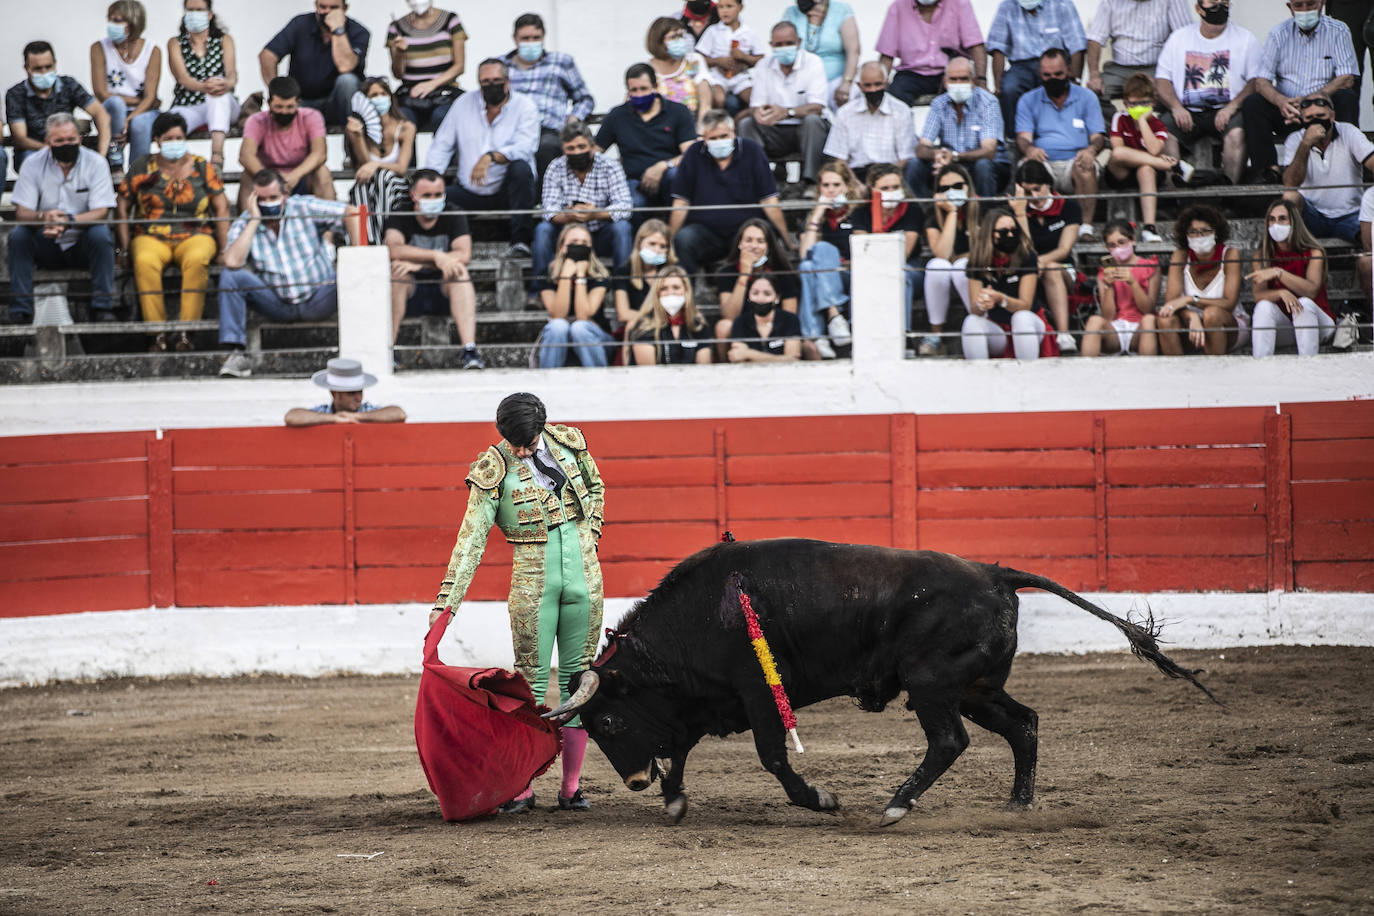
182 197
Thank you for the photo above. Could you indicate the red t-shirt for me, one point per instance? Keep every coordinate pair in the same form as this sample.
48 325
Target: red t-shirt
284 149
1126 127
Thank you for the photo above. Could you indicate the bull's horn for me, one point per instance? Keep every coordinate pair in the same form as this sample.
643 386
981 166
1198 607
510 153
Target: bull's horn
590 681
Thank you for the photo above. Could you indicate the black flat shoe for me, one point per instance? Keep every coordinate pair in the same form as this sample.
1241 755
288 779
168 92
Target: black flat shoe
576 803
517 806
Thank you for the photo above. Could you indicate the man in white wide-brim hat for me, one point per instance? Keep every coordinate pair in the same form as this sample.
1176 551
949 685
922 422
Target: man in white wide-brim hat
345 380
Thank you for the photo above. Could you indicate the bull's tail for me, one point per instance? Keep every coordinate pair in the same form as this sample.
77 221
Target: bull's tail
1142 636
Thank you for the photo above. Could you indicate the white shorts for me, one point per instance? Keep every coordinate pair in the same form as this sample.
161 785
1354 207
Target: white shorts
1062 172
1125 332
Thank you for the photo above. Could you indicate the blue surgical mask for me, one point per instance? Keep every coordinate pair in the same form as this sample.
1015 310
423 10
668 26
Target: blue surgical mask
196 20
721 149
173 149
960 92
1029 5
431 206
786 55
44 81
272 210
677 48
653 258
117 31
956 197
530 51
1307 20
380 102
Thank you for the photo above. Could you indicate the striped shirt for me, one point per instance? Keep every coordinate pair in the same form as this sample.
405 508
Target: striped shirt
1298 64
604 188
861 137
554 84
429 51
982 119
293 260
1024 35
1137 29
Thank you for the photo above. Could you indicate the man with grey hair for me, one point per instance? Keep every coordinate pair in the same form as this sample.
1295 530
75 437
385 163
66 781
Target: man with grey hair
588 187
789 95
874 127
65 187
964 125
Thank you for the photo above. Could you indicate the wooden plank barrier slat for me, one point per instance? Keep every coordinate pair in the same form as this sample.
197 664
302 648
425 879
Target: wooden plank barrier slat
1070 502
1328 541
256 480
1332 420
411 508
74 595
832 500
254 587
843 530
69 449
1189 535
257 511
1187 427
983 432
1186 574
74 481
796 435
1335 577
1016 468
1333 459
1147 467
1125 502
1330 501
215 550
60 559
1037 537
256 447
92 519
821 467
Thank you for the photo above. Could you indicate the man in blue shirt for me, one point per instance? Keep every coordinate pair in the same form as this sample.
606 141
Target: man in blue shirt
965 126
1021 31
1060 124
652 133
327 51
552 81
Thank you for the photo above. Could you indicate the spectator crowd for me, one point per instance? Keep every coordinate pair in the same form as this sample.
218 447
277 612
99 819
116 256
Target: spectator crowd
659 235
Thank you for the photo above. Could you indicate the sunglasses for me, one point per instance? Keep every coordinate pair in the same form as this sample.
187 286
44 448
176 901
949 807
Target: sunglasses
956 186
1314 103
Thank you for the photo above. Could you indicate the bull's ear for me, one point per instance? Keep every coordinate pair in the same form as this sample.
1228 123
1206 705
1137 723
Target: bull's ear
612 682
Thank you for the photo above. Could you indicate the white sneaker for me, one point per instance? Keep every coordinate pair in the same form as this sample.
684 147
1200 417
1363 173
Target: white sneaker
1086 231
824 349
1186 170
1066 342
838 329
1150 237
238 365
931 345
1347 333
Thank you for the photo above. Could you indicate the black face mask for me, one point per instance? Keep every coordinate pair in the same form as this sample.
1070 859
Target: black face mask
579 252
763 309
284 118
805 6
494 93
320 20
1057 87
1216 15
875 98
699 7
1326 125
67 154
579 162
1006 242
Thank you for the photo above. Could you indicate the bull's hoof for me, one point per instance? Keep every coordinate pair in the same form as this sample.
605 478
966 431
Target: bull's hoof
1016 804
826 802
892 816
676 809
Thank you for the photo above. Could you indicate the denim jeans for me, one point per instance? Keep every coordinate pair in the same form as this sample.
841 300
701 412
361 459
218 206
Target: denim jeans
28 249
1020 77
990 176
613 240
240 288
822 287
1344 227
587 338
907 85
663 197
337 106
4 166
140 128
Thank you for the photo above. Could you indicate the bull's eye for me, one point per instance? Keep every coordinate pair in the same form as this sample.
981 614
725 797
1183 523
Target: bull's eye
610 725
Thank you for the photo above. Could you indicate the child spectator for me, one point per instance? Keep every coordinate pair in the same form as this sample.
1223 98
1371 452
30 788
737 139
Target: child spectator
1127 288
573 294
824 251
764 332
956 209
1289 286
1002 284
682 74
731 49
650 258
1203 289
668 329
756 250
1053 225
895 214
1137 157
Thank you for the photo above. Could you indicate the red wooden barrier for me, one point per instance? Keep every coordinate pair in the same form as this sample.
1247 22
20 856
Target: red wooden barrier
1242 499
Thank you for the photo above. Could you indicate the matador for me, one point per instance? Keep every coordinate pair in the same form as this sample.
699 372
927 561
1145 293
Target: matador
540 486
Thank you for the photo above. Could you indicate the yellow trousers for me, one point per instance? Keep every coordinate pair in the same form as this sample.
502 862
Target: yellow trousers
151 255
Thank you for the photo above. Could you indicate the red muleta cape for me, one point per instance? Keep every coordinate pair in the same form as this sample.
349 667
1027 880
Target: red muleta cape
479 734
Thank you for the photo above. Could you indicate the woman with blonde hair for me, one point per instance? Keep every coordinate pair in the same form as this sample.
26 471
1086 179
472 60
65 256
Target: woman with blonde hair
125 70
573 294
650 257
1289 286
668 329
824 249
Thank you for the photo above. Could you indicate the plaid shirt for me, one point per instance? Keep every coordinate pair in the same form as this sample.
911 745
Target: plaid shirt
604 189
23 103
1022 35
1298 64
982 119
553 84
861 138
293 260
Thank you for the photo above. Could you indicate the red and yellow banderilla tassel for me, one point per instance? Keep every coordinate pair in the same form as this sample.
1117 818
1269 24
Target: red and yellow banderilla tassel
770 668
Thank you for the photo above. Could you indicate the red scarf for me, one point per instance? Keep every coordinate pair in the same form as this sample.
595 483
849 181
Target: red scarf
1054 209
676 321
1210 262
834 216
897 215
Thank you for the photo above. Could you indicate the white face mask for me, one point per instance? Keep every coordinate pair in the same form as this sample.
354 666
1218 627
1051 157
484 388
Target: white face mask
960 92
892 197
672 304
839 200
1280 232
1202 244
419 7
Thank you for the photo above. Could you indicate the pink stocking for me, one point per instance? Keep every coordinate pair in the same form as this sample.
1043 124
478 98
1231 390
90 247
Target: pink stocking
574 750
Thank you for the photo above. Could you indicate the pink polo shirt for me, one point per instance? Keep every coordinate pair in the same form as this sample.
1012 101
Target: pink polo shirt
916 44
284 149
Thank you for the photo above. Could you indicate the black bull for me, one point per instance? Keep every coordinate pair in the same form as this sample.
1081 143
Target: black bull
842 620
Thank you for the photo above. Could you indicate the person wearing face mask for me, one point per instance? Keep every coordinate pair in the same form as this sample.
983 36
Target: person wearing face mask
64 188
755 250
650 257
1005 314
430 251
824 250
873 127
42 94
926 36
787 103
202 60
288 139
1289 286
428 49
125 70
188 193
380 142
327 50
830 31
764 332
963 127
552 81
894 212
1138 158
1022 31
276 261
573 293
1127 289
494 133
683 75
668 330
954 216
1202 311
587 188
651 133
1060 126
1305 54
1325 166
1203 78
731 49
1136 31
1052 224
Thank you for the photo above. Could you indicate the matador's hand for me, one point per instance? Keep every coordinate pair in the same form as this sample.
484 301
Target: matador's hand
434 615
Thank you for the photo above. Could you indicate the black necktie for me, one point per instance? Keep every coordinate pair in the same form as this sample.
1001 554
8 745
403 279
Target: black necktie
550 471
